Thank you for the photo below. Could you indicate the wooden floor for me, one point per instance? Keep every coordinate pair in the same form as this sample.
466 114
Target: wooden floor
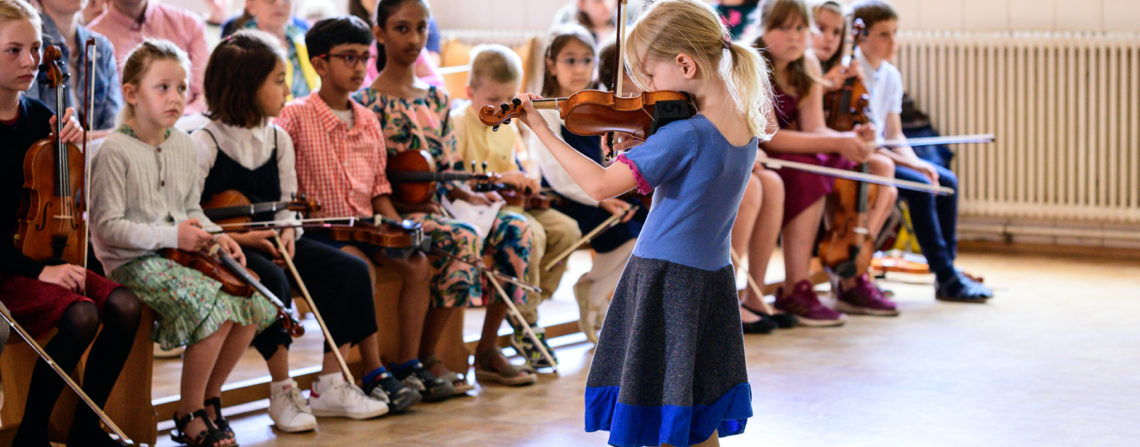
1052 361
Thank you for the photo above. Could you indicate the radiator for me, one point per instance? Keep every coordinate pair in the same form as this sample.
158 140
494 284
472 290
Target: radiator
1066 111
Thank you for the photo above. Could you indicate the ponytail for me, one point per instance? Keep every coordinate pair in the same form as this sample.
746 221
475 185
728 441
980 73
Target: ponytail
751 88
692 27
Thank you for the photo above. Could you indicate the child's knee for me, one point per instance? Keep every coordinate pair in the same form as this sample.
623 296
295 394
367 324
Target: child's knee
882 165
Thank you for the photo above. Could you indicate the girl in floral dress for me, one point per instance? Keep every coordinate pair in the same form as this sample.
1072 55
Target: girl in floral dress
414 116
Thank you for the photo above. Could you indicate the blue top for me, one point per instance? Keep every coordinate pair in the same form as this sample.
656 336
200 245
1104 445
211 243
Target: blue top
108 95
699 179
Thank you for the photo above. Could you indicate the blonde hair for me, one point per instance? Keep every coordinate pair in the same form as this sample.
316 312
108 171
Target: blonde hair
139 61
495 63
692 27
18 10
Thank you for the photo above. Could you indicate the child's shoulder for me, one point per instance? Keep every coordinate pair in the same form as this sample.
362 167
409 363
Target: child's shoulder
34 107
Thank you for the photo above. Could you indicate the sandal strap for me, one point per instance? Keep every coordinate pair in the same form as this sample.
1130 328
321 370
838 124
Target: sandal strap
487 358
430 361
221 422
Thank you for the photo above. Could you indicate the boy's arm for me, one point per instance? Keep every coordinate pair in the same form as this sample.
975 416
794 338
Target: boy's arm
904 155
382 205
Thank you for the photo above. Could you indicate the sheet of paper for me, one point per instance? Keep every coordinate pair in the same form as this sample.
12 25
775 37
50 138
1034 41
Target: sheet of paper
480 216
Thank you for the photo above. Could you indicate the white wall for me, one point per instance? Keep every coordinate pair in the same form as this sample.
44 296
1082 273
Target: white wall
988 15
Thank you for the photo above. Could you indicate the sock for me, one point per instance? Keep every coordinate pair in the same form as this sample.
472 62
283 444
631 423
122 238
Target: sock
280 385
375 374
401 369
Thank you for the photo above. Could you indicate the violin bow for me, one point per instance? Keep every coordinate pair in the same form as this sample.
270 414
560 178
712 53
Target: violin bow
774 163
752 284
65 376
91 54
605 225
619 65
313 307
931 141
522 322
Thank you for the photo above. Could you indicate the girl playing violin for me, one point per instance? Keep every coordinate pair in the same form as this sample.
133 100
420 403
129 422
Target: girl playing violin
145 198
42 295
805 138
239 149
571 57
671 341
415 116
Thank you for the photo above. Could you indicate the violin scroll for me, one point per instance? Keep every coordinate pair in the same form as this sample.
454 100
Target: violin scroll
503 115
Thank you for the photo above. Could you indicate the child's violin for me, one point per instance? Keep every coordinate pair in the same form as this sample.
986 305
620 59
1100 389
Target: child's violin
233 207
54 227
237 280
413 177
596 112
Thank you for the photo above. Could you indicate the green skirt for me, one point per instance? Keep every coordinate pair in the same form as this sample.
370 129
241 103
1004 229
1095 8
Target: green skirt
190 305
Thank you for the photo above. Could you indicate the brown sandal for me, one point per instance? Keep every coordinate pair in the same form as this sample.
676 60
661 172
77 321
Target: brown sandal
507 375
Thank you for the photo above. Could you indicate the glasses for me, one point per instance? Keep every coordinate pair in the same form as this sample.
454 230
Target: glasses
586 61
351 60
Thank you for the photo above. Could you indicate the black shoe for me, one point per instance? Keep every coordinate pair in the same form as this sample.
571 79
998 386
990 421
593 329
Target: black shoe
430 387
765 325
394 393
961 289
783 320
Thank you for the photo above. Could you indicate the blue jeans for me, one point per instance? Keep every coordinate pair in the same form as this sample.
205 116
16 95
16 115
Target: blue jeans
935 218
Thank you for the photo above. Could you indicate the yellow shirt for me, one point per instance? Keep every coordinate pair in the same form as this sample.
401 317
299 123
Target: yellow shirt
475 141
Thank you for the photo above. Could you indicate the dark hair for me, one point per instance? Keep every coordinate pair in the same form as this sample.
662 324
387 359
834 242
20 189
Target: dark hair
559 36
772 14
607 64
873 11
384 10
231 94
334 31
357 9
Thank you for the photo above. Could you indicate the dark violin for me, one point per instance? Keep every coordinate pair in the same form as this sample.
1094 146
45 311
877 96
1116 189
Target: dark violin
536 201
847 245
232 207
398 238
237 280
53 228
596 112
413 177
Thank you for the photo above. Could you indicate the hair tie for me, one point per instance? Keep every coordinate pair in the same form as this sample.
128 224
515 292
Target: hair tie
727 40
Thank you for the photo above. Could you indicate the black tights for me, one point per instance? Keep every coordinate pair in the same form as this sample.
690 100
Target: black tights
76 329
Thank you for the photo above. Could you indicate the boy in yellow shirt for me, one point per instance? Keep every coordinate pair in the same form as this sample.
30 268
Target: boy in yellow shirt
496 73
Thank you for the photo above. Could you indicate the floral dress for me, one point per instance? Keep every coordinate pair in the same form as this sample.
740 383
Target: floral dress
424 124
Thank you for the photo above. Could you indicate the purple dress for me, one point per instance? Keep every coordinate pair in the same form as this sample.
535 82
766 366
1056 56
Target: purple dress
801 189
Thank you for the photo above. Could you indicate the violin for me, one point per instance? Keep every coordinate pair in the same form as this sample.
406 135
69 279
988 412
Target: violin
597 112
233 207
414 178
398 240
54 226
847 245
536 201
237 280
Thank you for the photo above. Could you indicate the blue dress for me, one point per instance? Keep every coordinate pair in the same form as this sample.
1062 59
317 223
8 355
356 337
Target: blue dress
669 366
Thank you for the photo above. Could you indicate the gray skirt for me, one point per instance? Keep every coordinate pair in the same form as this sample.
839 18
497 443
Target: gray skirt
669 367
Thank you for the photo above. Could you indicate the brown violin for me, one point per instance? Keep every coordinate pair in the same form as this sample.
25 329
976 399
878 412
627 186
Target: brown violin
597 112
847 245
414 177
232 207
54 226
237 280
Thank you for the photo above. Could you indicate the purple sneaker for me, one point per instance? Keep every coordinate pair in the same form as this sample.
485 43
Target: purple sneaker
805 305
865 299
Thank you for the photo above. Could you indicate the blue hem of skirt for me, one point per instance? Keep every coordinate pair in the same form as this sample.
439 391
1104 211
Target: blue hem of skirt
681 426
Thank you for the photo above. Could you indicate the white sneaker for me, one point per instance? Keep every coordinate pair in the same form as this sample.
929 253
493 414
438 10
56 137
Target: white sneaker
289 410
331 396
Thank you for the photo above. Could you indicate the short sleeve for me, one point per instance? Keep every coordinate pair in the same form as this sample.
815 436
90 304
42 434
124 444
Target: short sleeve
664 155
896 92
287 121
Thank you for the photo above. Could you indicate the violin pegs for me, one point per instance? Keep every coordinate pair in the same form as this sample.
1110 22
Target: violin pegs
516 102
508 121
494 128
505 107
484 166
